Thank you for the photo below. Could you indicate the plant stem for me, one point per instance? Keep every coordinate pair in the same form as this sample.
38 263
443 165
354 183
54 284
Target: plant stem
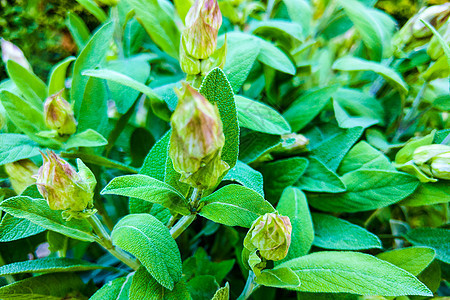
105 240
182 225
250 286
172 221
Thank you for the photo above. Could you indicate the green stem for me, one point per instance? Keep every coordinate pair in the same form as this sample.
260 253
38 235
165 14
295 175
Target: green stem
172 221
182 225
105 240
250 286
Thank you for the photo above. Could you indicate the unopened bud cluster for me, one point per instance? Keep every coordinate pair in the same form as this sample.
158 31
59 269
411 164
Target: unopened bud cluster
59 116
433 160
64 188
198 54
197 140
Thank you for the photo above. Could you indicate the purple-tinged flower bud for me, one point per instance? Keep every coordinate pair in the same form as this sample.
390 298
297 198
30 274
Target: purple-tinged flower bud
216 60
58 115
12 52
64 188
197 140
189 64
202 27
20 174
270 234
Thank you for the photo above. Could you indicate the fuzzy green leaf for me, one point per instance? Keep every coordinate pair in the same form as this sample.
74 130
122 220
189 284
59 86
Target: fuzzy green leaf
412 259
436 238
319 178
14 147
246 176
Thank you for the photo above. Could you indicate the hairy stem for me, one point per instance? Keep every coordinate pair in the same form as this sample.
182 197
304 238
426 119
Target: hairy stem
105 240
250 286
185 221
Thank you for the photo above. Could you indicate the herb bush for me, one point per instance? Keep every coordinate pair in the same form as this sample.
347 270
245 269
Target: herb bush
230 150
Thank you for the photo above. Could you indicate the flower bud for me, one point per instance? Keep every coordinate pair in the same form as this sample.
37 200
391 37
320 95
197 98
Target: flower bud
216 60
434 160
20 174
58 114
62 186
425 153
197 140
12 52
293 143
202 27
440 166
270 234
189 65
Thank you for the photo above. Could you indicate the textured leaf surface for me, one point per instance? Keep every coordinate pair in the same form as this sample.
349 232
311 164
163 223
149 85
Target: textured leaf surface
38 212
235 205
436 238
49 265
88 138
412 259
334 233
319 178
294 205
216 88
57 76
429 194
150 241
144 286
246 176
280 174
366 190
117 289
260 117
279 277
254 144
12 228
148 189
222 293
352 272
15 147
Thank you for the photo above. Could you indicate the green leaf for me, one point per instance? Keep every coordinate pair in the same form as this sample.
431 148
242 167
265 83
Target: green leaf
117 289
88 138
49 265
12 229
144 286
78 29
260 117
319 178
304 109
364 156
134 84
248 177
14 147
150 241
352 272
241 55
278 27
154 166
294 205
149 189
349 63
345 120
279 278
201 264
300 12
94 9
442 42
366 190
95 95
90 57
57 77
216 88
334 233
235 205
332 143
253 144
31 86
412 259
429 194
374 27
38 212
203 287
280 174
273 57
436 238
159 24
222 293
26 117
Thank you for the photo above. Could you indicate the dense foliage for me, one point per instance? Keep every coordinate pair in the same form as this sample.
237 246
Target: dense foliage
280 149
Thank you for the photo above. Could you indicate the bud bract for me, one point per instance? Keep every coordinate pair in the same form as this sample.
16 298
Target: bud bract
189 64
197 140
216 60
64 188
440 166
12 52
270 234
58 115
202 27
20 174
